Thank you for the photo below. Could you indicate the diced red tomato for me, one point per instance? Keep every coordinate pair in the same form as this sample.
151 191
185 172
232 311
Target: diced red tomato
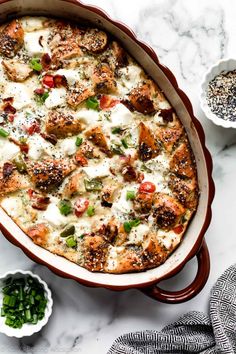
107 102
48 80
24 148
11 118
8 108
39 91
33 128
81 160
178 229
39 201
147 187
80 206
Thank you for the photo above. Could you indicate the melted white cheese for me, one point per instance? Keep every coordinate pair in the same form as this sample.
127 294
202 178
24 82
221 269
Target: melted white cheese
169 238
120 116
32 42
131 76
71 75
137 234
68 146
8 150
121 207
82 227
53 215
88 116
98 170
112 256
56 98
21 93
30 24
13 206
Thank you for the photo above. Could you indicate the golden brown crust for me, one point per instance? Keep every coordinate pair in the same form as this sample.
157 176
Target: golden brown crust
94 40
186 191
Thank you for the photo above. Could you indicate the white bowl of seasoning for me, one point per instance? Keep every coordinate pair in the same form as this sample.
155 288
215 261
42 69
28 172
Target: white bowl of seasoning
29 328
218 93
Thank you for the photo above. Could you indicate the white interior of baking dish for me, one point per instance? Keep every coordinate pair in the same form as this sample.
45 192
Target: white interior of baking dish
72 11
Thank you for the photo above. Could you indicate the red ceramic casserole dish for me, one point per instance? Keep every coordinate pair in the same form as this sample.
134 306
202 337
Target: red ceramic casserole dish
192 244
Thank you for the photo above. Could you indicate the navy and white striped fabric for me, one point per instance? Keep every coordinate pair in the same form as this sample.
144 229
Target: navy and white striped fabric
195 332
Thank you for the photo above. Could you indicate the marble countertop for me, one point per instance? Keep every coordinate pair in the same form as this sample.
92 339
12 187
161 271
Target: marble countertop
188 36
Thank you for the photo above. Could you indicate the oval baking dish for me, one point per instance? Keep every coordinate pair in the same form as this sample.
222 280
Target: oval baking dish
192 243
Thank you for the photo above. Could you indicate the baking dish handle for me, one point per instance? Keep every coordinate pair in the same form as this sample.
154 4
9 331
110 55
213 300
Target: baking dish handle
175 297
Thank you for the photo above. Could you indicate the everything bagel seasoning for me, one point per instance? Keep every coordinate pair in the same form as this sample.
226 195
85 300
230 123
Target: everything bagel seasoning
221 95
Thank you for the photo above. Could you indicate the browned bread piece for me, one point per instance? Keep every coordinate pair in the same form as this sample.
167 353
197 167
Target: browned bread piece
167 211
16 71
11 39
95 250
97 137
94 40
11 180
181 162
186 191
168 136
103 79
62 124
48 174
78 94
143 98
148 148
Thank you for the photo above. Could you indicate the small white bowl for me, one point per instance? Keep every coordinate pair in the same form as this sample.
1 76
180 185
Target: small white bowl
27 329
222 65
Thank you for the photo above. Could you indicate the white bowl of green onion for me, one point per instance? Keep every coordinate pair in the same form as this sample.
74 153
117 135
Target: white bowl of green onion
25 303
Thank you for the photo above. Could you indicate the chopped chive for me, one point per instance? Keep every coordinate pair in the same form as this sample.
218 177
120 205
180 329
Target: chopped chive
92 103
3 133
116 130
35 64
65 207
130 195
78 141
90 210
128 225
69 230
124 143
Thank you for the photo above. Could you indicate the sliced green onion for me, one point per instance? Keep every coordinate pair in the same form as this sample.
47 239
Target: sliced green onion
69 230
116 149
3 133
23 302
92 103
40 99
130 195
71 242
65 207
90 210
35 64
78 141
124 143
116 130
128 225
93 185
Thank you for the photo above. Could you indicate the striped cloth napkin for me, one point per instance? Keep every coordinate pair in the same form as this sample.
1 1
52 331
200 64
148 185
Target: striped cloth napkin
195 332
